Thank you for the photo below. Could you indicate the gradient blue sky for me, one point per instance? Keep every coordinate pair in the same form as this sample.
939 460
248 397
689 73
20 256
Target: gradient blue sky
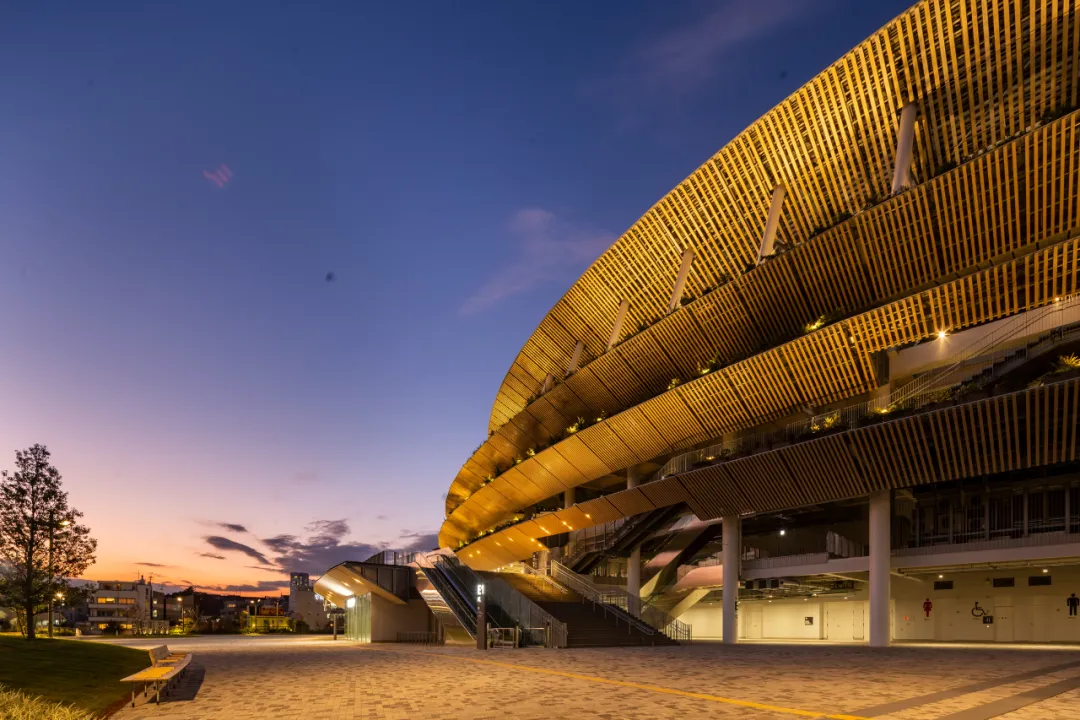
455 165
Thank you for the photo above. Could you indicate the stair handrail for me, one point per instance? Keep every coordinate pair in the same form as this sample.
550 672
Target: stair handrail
1002 334
646 617
524 611
523 568
587 591
520 608
465 614
920 387
619 533
1045 344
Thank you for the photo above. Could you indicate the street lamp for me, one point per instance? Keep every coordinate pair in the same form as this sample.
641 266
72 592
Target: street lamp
52 526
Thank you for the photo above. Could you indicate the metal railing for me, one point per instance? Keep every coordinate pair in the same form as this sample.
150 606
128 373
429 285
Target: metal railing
524 611
419 638
913 395
520 609
1061 537
839 546
463 610
632 610
1034 321
594 539
503 637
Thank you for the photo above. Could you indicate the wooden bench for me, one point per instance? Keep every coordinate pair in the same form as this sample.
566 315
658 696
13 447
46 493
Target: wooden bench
164 667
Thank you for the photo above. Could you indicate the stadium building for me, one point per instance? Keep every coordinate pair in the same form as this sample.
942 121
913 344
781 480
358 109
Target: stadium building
827 388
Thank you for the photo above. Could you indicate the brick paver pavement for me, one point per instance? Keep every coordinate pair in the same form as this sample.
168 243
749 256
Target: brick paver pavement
241 678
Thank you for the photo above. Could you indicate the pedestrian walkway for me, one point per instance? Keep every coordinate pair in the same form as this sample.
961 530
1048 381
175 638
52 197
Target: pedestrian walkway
241 678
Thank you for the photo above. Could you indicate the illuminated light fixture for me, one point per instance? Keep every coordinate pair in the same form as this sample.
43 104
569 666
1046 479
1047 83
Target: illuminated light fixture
569 527
1045 570
941 335
940 577
783 532
588 516
350 602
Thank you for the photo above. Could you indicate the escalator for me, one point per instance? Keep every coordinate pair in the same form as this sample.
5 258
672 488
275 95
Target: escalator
454 608
452 597
630 535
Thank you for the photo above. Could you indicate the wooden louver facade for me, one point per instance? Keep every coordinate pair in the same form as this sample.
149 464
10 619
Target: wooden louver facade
986 232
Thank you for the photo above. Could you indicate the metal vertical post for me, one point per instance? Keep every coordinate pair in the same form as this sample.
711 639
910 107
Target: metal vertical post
481 618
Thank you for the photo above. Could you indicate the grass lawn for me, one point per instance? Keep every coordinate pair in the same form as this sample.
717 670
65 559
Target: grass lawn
76 672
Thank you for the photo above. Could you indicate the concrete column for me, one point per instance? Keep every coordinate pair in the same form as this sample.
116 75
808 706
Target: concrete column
633 567
620 317
569 498
575 359
880 566
680 279
768 240
905 143
732 557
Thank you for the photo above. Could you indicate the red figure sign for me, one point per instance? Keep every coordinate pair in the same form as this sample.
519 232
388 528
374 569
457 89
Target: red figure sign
927 607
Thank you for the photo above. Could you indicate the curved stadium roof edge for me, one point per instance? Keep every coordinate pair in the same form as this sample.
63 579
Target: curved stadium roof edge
992 82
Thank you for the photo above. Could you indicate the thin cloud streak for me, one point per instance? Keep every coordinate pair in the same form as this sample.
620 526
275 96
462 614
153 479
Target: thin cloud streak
670 69
227 545
548 249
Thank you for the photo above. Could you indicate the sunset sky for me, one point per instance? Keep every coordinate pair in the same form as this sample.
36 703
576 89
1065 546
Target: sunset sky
262 273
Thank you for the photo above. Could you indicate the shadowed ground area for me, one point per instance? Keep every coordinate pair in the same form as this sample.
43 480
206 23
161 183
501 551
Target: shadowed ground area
317 678
68 671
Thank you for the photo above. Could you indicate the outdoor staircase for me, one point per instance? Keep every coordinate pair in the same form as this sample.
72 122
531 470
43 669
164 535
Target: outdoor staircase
1038 347
588 623
629 536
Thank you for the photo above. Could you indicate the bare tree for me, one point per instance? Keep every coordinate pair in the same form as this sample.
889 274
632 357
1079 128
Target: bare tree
41 541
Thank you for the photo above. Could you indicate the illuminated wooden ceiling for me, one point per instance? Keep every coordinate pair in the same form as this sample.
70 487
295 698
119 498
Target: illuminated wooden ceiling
1028 429
833 363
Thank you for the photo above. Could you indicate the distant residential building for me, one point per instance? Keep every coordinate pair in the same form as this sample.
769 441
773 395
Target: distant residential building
126 608
269 619
305 605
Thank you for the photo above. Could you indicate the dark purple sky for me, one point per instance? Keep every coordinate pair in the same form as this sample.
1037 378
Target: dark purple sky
177 179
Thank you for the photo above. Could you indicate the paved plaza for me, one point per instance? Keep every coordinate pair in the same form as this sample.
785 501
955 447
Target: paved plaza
236 678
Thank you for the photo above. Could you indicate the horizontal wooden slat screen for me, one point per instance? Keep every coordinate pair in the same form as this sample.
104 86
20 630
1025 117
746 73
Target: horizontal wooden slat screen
981 73
1032 428
812 369
1022 192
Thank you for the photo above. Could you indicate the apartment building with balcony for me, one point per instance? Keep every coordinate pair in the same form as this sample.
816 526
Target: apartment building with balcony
126 608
